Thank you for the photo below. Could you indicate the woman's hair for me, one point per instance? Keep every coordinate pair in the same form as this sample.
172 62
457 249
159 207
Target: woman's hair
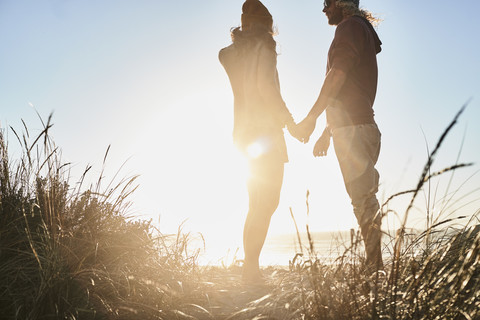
244 38
351 9
257 24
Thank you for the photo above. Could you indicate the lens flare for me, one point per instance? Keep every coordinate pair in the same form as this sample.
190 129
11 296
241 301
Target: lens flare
255 150
258 148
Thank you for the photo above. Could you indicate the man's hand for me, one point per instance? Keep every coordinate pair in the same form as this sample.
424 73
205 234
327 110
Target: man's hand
305 128
322 144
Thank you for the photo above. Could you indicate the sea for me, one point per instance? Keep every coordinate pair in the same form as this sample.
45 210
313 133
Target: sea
287 248
284 249
327 247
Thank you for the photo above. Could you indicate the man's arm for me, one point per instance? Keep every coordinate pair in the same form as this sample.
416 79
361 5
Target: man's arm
334 81
322 144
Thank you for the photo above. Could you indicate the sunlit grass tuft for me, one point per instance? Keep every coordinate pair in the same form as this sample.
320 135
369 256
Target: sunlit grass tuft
72 254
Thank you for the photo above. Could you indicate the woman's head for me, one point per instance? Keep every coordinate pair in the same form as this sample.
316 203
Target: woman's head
257 23
256 16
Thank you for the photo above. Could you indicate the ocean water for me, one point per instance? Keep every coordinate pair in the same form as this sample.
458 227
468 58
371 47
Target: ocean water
327 246
280 249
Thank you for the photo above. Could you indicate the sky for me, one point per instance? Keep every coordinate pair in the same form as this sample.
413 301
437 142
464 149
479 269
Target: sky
143 77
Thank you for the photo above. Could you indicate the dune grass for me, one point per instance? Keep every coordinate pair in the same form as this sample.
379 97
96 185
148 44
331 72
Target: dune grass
74 253
66 254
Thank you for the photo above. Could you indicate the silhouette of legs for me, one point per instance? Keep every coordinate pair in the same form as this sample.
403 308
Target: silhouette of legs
264 186
369 219
357 149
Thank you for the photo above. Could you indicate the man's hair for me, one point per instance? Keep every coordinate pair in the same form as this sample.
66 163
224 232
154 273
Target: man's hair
350 8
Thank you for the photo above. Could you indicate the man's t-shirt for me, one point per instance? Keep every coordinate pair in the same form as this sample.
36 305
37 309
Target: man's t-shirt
353 50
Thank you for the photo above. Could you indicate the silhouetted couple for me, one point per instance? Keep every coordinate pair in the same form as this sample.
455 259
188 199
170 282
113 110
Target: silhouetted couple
260 115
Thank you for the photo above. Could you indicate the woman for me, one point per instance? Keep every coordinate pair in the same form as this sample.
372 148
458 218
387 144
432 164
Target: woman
260 114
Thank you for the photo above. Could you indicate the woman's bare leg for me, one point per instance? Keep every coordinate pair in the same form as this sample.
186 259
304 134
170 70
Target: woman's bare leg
264 188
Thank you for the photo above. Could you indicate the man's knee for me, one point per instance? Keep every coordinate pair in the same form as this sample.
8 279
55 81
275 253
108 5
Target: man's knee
367 211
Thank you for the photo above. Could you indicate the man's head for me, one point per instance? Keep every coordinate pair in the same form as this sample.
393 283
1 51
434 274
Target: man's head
337 10
333 12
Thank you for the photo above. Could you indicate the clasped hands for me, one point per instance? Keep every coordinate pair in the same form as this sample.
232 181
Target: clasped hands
304 129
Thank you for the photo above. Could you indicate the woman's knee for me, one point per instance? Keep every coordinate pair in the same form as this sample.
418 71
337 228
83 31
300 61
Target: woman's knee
266 210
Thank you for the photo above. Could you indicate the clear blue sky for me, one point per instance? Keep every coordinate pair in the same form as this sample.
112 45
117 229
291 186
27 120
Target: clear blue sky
144 77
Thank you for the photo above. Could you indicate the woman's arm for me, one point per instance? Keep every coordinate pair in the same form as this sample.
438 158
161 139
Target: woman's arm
269 87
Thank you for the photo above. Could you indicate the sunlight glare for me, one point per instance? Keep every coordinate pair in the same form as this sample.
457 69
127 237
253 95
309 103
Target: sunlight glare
257 148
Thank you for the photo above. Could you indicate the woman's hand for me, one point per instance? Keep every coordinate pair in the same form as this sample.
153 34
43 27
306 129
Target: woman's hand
305 128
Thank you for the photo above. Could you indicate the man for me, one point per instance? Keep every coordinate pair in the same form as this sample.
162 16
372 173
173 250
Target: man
347 95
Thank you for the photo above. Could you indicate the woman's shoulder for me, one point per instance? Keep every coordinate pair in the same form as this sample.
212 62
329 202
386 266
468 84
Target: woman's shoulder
227 49
256 48
224 53
266 50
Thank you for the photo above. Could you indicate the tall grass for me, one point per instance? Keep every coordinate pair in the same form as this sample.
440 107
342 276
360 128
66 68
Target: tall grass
74 253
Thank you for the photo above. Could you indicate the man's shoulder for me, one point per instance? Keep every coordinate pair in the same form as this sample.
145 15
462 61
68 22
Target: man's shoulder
352 27
352 22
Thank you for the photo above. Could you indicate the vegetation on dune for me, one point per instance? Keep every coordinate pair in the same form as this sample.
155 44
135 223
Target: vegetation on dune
68 254
72 254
